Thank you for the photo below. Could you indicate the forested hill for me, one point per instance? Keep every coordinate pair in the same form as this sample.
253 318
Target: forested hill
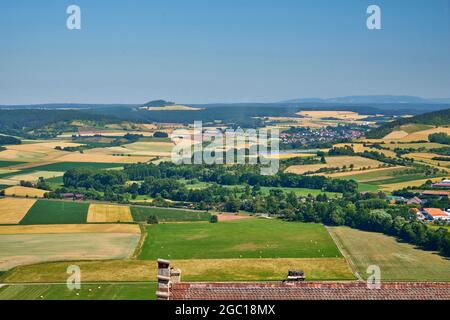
435 118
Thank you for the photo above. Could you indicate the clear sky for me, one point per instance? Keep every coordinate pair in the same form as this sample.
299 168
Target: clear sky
193 51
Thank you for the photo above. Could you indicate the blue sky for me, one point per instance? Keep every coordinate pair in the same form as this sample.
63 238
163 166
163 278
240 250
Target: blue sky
221 51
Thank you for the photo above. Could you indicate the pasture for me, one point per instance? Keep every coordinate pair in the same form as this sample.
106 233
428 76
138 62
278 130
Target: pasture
13 210
23 249
4 164
398 261
193 270
108 213
117 291
141 214
246 238
56 212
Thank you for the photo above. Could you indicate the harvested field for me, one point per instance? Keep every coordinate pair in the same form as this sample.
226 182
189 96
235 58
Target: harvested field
13 210
102 158
401 185
56 212
422 135
34 176
231 217
332 162
398 261
366 175
343 115
70 228
25 192
160 149
24 249
396 135
109 213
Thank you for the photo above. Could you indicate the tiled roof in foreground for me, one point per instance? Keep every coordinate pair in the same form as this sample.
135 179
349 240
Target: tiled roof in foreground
350 290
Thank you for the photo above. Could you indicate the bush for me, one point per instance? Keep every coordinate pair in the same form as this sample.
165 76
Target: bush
214 219
159 134
152 219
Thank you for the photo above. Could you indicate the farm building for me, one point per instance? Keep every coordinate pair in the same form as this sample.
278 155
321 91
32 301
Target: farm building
438 193
436 214
415 200
442 184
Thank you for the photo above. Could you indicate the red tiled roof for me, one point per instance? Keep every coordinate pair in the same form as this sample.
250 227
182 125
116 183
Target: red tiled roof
434 212
350 290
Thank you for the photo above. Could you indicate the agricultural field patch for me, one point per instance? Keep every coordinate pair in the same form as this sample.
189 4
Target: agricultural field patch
23 249
316 269
102 158
366 175
401 185
108 213
19 191
56 212
416 135
135 291
358 163
248 238
141 214
12 210
34 176
398 261
65 166
70 228
145 149
4 164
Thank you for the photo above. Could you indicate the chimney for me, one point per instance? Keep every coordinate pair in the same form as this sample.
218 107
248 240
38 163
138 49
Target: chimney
166 276
163 291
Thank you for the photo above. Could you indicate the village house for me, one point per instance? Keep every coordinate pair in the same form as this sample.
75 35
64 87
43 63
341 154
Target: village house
416 200
436 214
443 184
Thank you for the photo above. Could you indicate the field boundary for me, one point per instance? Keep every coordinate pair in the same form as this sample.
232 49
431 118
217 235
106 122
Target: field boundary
140 245
344 253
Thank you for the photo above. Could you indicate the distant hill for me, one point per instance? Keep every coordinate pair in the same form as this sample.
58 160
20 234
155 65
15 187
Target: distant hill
371 99
435 118
158 103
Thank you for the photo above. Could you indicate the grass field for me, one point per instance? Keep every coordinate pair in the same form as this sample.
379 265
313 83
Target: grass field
65 166
135 291
247 238
141 214
398 261
108 213
18 191
56 212
23 249
192 270
4 164
302 191
13 210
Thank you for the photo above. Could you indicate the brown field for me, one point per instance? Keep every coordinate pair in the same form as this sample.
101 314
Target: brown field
232 217
25 192
70 228
192 270
160 149
343 115
102 158
358 163
415 136
13 210
34 176
359 147
25 249
109 213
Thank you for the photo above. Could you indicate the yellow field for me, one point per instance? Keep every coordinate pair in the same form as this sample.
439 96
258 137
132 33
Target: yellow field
351 173
401 185
332 162
13 210
422 135
288 155
44 147
343 115
103 158
160 149
109 213
359 147
34 176
70 228
25 192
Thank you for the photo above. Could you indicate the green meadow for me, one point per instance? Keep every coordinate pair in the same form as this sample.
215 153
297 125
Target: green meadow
56 212
247 238
141 214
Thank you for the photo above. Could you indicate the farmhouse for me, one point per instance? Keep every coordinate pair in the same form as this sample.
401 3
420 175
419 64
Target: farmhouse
74 196
436 214
415 200
442 184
